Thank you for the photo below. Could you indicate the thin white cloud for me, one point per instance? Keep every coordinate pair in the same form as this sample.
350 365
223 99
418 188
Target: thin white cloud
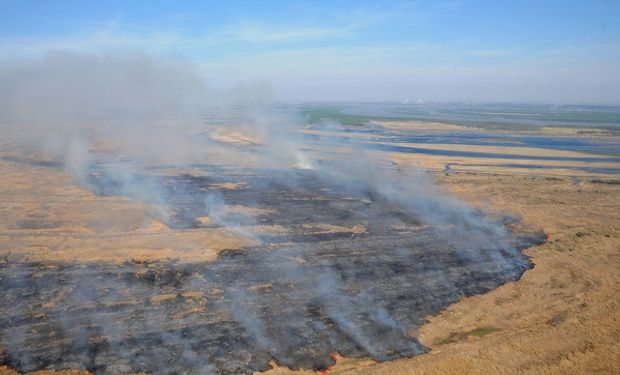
111 35
97 35
262 33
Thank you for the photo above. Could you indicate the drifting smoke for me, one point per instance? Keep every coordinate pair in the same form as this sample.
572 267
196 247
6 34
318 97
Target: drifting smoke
60 104
114 121
69 108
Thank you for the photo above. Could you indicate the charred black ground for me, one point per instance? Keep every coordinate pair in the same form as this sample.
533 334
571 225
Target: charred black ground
294 300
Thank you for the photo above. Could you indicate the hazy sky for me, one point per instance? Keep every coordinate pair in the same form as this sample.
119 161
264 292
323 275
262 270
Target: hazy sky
452 50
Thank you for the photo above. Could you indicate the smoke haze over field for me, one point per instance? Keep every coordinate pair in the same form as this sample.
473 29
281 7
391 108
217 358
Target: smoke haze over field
116 122
154 111
63 103
66 103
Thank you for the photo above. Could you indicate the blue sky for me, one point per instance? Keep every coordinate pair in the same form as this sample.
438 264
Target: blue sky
533 51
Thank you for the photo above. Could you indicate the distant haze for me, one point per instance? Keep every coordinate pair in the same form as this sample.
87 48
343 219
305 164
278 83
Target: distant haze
564 52
571 85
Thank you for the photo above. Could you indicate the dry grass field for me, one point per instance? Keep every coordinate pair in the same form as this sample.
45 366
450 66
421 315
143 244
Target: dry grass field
561 317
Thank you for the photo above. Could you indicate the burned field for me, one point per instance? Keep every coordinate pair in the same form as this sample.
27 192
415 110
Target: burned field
304 293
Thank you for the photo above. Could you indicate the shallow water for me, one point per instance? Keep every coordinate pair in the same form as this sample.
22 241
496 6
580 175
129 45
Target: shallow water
501 117
499 114
478 139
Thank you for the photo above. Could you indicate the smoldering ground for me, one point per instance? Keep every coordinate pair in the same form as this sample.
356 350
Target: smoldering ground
117 123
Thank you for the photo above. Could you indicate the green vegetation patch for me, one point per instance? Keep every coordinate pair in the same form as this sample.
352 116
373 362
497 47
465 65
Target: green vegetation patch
318 114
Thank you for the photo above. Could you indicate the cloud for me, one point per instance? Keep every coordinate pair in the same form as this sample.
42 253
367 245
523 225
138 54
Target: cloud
327 27
95 41
262 33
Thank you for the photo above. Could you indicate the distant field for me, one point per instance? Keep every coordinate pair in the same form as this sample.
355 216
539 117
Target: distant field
511 117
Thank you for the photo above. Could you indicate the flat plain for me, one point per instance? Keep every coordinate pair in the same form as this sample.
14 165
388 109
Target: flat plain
560 317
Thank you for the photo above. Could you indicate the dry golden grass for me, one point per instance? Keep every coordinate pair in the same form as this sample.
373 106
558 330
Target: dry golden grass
45 216
481 165
245 137
408 125
523 151
4 370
